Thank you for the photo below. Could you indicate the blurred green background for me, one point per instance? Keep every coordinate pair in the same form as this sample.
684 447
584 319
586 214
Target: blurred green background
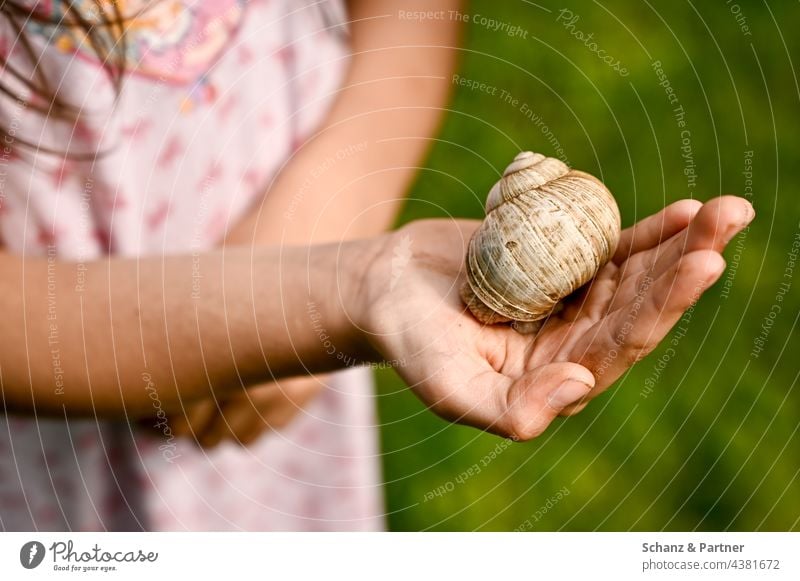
713 443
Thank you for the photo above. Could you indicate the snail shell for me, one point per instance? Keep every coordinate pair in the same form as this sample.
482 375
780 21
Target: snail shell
548 230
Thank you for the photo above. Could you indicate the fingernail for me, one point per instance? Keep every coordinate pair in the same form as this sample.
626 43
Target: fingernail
747 217
569 392
749 214
751 211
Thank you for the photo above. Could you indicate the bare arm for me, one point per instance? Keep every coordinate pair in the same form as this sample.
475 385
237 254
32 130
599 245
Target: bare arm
189 324
491 377
382 119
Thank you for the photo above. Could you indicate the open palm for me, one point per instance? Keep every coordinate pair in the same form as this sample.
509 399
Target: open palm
515 384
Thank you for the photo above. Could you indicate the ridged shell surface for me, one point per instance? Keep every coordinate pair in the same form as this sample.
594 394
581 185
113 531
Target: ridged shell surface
548 231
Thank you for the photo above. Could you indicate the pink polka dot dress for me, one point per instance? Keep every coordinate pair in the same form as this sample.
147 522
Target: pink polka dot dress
217 95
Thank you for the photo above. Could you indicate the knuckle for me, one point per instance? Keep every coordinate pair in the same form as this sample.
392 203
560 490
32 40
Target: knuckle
634 353
659 297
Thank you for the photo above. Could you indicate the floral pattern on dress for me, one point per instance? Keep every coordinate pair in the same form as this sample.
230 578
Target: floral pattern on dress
170 40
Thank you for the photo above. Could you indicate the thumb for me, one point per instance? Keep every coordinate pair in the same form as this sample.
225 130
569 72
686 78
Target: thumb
535 399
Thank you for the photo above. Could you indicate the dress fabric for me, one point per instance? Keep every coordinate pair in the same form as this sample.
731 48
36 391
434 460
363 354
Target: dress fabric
217 95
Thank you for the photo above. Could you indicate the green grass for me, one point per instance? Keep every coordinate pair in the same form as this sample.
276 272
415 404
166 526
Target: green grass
715 446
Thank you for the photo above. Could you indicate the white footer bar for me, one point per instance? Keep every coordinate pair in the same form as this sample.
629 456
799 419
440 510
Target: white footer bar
401 556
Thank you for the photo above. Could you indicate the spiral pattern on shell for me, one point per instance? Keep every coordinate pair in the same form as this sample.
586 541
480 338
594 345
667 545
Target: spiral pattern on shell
548 230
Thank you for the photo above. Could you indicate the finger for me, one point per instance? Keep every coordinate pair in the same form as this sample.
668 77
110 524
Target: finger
541 395
270 409
713 227
593 299
519 408
574 410
234 418
262 408
196 419
257 428
717 222
179 425
650 231
630 333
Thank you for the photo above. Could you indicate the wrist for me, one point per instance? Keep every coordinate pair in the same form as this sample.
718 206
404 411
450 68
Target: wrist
359 276
337 308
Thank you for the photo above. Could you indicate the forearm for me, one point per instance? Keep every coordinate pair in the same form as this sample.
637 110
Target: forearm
350 179
175 328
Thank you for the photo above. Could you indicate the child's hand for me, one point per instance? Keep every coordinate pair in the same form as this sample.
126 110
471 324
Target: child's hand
243 417
511 384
